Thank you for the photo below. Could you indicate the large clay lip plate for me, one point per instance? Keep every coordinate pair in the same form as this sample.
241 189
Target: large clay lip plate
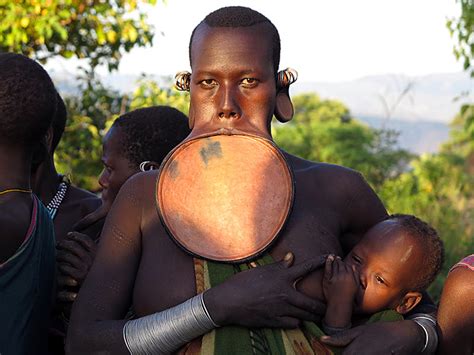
225 197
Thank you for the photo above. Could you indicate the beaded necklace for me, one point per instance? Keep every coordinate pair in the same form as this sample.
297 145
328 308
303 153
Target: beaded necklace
54 204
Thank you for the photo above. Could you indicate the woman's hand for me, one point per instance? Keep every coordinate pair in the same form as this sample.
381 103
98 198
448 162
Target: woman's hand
265 296
398 338
75 256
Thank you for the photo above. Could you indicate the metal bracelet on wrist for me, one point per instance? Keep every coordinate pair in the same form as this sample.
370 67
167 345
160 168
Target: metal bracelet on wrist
329 330
165 332
428 324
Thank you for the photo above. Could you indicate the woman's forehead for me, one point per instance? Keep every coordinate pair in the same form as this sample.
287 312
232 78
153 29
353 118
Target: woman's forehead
230 46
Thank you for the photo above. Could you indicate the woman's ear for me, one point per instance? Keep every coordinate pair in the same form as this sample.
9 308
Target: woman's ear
283 107
408 302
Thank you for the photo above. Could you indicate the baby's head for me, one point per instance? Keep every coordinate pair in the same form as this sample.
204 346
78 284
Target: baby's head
397 259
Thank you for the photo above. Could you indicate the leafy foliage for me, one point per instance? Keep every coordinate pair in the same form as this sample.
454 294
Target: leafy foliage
462 29
90 114
438 188
149 93
323 130
99 31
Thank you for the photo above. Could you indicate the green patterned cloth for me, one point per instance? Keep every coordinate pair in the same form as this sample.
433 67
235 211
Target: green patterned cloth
235 340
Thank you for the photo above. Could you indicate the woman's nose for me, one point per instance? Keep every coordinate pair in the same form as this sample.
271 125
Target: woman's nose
229 107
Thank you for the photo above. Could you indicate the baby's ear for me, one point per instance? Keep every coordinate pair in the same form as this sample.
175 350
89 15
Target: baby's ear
408 302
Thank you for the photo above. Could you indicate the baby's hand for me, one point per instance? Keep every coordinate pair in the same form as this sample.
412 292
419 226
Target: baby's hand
340 281
340 284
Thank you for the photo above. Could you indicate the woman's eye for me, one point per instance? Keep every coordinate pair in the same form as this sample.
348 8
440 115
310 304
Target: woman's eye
249 82
208 83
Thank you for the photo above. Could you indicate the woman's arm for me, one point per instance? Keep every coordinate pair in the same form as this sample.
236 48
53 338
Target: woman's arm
106 294
456 313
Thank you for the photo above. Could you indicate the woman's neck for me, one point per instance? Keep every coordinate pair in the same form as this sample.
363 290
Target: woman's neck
15 165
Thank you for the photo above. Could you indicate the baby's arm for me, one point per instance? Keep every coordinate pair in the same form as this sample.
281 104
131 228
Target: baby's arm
340 284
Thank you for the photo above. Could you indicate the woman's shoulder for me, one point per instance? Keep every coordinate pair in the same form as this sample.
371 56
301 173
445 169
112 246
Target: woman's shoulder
466 263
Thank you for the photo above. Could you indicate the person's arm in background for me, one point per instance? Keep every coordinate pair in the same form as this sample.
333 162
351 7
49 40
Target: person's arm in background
107 291
456 313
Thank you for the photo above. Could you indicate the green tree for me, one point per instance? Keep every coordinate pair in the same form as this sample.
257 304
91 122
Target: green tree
98 31
462 30
90 114
439 188
149 93
462 135
323 130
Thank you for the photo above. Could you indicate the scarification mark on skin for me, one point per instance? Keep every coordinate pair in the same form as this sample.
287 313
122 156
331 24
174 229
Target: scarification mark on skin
133 198
113 285
210 151
120 237
407 254
173 168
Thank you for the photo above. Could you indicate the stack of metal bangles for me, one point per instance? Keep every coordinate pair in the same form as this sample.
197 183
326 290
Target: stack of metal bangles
165 332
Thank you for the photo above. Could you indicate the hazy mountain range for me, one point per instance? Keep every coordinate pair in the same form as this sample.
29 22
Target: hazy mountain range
419 107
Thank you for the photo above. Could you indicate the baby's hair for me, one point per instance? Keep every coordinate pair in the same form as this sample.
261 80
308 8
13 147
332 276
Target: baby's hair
431 246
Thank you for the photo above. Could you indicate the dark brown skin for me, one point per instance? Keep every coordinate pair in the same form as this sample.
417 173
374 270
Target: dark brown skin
456 313
70 257
16 207
232 87
76 204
